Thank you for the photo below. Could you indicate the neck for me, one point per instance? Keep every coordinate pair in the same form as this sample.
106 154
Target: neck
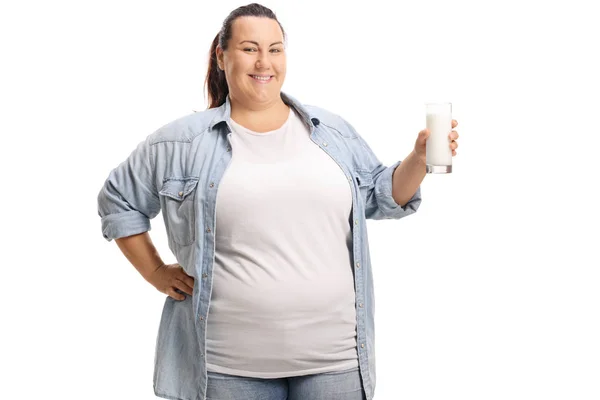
259 117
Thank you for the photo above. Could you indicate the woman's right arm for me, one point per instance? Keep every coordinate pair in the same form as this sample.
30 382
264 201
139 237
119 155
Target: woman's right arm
142 254
126 203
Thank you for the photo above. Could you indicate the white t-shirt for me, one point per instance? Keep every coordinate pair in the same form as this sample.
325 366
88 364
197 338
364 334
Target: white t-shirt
283 300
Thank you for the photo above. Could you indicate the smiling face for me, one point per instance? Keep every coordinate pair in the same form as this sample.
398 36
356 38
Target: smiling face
254 62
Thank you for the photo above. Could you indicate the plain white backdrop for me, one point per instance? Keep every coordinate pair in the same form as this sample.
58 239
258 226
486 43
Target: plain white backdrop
490 291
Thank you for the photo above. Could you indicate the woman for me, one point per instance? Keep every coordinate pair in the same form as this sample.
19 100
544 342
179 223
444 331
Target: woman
281 259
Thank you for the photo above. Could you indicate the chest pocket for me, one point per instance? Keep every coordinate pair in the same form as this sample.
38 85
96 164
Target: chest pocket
178 197
364 181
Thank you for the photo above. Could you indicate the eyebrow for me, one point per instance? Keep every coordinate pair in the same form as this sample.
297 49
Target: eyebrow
256 43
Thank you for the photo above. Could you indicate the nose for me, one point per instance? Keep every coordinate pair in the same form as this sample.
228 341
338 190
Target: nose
262 61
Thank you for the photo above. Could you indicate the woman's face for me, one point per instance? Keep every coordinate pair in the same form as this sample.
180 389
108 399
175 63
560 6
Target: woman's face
255 61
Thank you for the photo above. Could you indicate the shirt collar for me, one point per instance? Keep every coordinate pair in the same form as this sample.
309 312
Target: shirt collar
224 112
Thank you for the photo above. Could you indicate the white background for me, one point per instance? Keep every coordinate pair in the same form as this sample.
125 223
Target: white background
490 291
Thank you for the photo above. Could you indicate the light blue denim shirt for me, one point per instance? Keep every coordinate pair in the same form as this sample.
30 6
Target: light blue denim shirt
177 170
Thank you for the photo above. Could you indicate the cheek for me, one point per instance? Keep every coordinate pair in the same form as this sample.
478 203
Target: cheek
236 73
279 64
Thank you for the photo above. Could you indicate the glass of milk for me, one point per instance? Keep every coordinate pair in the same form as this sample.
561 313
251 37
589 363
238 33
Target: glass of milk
438 151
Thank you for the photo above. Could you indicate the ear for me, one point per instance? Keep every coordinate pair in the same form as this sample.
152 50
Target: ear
219 52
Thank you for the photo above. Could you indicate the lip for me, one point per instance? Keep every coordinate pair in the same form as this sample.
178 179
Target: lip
259 81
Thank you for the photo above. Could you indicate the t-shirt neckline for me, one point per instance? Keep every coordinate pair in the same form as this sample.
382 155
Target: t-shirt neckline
251 132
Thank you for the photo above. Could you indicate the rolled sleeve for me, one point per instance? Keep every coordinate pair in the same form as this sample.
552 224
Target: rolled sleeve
386 203
129 199
380 204
124 224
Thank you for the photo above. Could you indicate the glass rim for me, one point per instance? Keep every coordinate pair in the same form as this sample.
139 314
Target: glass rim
433 103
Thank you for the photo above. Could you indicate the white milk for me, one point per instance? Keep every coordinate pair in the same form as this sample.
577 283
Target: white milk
438 143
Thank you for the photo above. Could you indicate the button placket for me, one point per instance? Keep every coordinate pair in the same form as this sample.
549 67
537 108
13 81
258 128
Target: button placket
208 230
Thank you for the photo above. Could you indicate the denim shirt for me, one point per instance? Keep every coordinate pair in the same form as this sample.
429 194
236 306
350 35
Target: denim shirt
177 170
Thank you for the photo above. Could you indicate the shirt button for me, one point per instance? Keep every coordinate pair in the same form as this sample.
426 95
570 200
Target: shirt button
349 179
207 229
201 318
204 275
357 265
180 194
228 148
362 345
361 305
325 144
355 222
211 184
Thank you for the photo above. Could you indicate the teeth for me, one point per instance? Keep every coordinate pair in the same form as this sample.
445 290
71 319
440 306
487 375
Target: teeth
262 78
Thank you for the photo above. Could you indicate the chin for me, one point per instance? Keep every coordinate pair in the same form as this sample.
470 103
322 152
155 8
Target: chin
266 96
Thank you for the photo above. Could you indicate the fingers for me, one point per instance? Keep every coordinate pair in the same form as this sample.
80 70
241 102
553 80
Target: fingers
454 123
185 288
184 282
174 294
453 144
188 280
178 283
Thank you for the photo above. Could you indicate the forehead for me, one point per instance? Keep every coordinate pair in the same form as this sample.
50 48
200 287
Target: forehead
259 29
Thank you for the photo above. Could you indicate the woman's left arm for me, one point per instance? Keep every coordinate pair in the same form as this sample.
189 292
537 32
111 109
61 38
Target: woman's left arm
407 178
410 173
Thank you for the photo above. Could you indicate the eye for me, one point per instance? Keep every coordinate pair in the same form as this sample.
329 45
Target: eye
276 50
249 48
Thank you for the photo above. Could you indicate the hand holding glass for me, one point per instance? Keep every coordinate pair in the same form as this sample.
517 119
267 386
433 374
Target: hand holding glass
438 151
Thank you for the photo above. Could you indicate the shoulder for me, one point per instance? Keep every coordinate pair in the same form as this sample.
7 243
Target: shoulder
331 120
185 128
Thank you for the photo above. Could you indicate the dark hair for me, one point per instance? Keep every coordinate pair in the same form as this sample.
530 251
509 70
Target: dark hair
215 80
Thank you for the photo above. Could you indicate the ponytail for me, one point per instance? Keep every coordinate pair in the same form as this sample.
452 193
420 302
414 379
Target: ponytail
215 78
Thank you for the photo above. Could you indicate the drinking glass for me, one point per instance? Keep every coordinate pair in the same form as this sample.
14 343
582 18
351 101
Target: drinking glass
438 118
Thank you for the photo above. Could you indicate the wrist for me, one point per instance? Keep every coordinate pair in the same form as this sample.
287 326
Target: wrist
151 274
420 158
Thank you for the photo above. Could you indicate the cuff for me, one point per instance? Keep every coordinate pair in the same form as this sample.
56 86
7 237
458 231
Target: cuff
385 201
124 224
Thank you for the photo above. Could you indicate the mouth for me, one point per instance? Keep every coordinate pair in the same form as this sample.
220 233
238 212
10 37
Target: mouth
262 78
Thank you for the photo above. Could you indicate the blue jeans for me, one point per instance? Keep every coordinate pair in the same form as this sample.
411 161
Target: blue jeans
343 385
